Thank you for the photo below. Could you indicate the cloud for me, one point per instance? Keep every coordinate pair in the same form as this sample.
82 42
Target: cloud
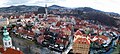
16 2
3 3
106 5
43 2
28 2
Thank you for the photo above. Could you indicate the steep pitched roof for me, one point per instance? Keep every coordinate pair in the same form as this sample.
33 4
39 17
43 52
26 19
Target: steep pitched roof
103 37
65 29
60 41
58 23
78 32
82 41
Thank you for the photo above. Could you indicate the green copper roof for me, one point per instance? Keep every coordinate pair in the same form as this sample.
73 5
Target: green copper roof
6 38
6 34
5 27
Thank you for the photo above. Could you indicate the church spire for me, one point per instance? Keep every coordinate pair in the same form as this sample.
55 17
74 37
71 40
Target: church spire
5 34
7 42
46 11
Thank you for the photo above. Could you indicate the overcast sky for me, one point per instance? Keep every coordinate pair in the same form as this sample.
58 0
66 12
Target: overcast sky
104 5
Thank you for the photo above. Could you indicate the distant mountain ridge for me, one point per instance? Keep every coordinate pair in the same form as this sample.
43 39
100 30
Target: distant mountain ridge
87 13
21 8
25 8
87 9
107 18
55 7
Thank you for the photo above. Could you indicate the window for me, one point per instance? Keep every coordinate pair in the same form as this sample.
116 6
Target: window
5 43
9 43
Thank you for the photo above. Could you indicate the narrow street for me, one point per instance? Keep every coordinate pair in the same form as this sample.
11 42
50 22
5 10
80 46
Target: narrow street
29 47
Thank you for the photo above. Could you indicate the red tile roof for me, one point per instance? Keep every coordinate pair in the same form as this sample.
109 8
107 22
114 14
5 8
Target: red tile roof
58 23
55 30
60 41
31 33
27 16
17 16
82 41
78 32
103 37
65 29
99 41
52 20
12 17
40 39
10 51
1 50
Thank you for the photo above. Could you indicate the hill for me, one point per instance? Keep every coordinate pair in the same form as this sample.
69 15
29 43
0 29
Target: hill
86 13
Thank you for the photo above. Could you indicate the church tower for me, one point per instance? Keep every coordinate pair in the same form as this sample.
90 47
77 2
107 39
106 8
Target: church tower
7 41
46 11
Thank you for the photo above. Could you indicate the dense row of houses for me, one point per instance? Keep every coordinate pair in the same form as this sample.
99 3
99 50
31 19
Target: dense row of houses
64 28
56 33
8 47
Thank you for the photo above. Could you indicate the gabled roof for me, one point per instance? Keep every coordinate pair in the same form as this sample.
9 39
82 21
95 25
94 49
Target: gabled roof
103 37
60 41
82 41
51 20
40 39
78 32
22 31
31 33
65 29
94 38
55 30
58 23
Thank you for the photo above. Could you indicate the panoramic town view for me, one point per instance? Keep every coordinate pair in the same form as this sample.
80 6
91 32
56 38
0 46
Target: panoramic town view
59 27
